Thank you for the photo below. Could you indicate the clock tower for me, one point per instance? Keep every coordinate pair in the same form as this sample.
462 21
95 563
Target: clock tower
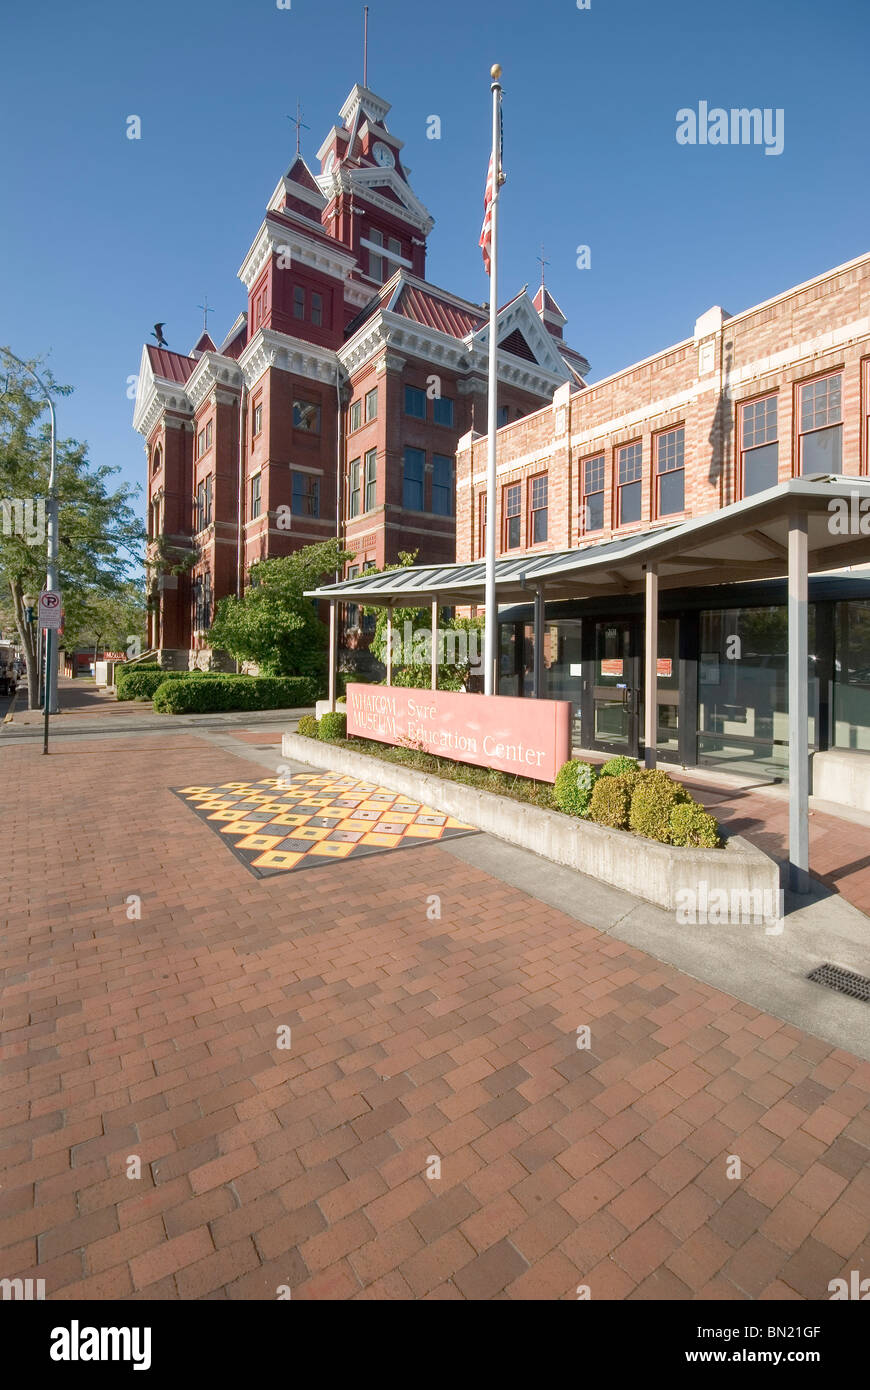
371 207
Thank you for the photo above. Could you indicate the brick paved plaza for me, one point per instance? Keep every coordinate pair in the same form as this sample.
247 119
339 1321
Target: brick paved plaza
412 1037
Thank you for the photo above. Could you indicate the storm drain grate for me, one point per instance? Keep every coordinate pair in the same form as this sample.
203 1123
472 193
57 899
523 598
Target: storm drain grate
843 981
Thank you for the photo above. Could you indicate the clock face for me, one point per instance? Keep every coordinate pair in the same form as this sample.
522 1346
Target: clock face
384 156
330 161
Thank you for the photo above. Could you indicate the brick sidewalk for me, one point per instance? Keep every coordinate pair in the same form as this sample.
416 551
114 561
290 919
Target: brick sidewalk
411 1037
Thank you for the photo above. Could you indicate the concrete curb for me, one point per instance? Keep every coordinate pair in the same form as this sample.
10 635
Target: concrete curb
641 867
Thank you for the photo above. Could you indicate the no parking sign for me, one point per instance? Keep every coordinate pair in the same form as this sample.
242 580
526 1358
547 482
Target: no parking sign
50 609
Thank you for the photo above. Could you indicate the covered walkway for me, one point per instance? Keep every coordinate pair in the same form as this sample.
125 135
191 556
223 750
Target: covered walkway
802 526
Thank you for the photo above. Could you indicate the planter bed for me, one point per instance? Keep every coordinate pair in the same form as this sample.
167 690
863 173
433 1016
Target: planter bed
646 868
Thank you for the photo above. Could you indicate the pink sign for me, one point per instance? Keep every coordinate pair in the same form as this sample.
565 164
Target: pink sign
529 737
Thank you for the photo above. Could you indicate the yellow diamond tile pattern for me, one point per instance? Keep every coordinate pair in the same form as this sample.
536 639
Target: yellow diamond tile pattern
279 825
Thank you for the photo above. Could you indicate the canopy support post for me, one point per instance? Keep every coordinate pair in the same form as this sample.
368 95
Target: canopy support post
651 652
798 707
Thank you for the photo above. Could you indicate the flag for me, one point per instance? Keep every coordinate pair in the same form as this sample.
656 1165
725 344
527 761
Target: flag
489 194
486 229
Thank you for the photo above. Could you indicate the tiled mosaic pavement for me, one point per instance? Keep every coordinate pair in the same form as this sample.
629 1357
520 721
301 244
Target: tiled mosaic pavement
310 819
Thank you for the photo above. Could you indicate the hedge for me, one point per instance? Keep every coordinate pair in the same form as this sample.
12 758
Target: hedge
228 692
307 726
141 685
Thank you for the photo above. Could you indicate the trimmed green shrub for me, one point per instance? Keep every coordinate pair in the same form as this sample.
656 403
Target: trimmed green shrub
141 685
201 695
617 767
690 824
307 726
332 726
572 790
611 802
653 797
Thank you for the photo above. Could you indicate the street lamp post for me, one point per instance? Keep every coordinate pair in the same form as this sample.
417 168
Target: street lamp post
51 574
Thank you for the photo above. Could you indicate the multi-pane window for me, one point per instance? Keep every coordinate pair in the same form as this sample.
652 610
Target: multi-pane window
513 502
415 402
255 497
351 612
317 310
258 419
355 416
354 491
376 262
202 603
538 490
371 479
208 434
481 524
203 504
372 404
200 444
306 495
306 416
670 471
821 429
759 447
442 485
298 302
412 479
629 461
593 494
369 620
442 410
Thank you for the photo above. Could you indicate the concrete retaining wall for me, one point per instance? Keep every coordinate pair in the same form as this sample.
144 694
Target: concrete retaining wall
642 867
843 775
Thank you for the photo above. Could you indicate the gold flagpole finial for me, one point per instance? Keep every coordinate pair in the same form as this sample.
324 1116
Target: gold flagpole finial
495 71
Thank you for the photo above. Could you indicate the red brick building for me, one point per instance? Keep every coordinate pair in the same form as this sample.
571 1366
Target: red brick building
748 401
335 403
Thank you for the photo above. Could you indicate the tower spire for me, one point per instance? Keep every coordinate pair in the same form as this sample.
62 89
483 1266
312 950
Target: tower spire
544 262
366 46
300 125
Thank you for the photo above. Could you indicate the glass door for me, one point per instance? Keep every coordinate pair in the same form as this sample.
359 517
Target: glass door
615 713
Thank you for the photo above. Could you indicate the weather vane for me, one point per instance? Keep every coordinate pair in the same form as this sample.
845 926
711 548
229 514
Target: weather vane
542 258
300 126
205 312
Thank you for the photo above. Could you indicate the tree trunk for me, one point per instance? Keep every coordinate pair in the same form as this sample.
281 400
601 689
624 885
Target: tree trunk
26 634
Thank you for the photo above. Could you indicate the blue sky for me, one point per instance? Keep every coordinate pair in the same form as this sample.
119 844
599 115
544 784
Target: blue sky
102 236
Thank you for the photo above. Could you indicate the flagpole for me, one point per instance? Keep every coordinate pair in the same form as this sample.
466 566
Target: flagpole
491 620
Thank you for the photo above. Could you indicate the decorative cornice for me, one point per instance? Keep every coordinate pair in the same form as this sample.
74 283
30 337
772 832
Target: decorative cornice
269 348
343 179
211 371
303 251
154 396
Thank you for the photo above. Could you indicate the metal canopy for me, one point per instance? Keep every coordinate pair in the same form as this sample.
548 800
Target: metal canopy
745 540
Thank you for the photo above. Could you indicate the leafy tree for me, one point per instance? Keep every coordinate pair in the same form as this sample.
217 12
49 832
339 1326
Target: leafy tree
273 623
413 668
100 536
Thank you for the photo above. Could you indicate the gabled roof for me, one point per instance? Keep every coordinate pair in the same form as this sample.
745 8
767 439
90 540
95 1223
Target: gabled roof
545 303
427 307
172 366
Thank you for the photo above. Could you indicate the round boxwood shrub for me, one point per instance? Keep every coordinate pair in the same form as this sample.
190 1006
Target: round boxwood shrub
653 797
690 824
572 790
611 802
617 767
307 726
332 726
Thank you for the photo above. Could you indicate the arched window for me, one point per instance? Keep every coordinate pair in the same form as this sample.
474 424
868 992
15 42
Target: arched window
156 459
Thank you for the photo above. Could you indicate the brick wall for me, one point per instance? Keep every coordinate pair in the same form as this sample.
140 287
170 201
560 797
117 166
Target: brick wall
700 385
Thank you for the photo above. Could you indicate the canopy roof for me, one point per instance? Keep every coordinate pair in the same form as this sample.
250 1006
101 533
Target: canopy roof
745 540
